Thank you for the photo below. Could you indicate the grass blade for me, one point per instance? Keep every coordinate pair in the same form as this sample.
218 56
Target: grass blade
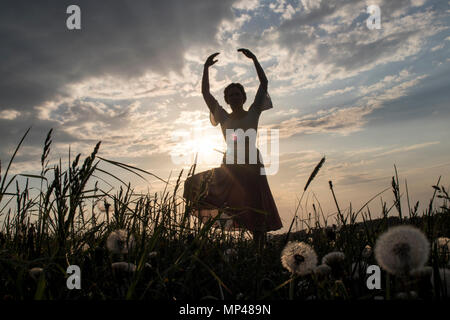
9 164
127 167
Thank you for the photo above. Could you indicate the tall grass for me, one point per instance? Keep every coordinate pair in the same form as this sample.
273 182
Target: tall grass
310 179
176 256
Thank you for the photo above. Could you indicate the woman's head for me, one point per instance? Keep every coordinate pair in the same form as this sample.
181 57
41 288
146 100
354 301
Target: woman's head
234 94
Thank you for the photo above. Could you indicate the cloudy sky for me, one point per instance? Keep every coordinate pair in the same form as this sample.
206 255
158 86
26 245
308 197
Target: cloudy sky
364 98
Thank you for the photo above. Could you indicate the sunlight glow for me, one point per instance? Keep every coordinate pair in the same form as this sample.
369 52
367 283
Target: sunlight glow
208 147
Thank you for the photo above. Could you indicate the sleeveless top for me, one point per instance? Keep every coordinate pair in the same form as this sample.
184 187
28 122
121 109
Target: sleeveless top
249 125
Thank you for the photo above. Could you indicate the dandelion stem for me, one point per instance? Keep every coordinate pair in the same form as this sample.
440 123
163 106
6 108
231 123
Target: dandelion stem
291 287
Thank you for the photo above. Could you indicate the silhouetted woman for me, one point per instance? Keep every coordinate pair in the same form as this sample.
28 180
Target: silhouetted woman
238 190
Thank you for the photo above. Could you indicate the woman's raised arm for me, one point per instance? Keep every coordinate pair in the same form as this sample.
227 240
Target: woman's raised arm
209 99
261 75
261 94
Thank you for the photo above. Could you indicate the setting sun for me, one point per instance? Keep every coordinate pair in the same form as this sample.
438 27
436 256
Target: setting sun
208 146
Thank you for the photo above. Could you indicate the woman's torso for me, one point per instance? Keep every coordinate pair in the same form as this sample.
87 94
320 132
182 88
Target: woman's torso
242 128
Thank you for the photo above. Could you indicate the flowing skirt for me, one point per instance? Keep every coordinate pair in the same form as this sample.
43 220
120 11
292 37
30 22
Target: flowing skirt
238 192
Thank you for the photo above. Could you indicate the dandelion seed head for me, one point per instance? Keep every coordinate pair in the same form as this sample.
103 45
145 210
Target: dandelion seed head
333 258
402 249
119 243
322 270
299 258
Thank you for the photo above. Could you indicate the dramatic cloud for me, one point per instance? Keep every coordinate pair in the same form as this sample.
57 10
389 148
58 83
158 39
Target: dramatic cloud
330 40
408 148
123 39
72 80
342 121
339 91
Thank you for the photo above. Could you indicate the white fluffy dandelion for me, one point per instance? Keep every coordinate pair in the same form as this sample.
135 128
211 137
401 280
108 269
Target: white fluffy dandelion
333 258
118 242
323 270
299 258
401 249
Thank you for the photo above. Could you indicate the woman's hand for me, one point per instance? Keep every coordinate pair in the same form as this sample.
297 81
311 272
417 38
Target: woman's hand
247 53
210 61
259 69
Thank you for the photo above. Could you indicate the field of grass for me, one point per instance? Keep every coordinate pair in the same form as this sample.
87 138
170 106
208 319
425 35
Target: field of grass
163 252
